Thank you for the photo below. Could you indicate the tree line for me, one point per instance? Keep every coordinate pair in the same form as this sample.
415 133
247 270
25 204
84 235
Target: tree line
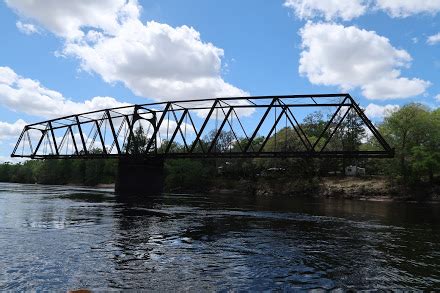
81 172
413 130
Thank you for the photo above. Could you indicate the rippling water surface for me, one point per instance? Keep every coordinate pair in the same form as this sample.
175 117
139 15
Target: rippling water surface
68 238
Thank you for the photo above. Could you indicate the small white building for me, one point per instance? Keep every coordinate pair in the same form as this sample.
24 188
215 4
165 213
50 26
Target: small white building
354 171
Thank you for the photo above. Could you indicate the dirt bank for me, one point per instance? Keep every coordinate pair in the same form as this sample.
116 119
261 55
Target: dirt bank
362 188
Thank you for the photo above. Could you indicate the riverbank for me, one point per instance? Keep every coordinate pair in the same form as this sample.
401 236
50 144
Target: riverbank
375 188
371 188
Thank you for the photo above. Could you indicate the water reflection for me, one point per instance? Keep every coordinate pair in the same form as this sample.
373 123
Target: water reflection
67 238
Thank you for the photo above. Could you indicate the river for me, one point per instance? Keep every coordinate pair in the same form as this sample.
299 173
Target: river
65 238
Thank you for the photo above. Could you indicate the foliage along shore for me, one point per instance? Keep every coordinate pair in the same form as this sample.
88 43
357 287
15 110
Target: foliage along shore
414 131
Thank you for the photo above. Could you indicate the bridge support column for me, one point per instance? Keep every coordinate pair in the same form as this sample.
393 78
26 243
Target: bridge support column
140 176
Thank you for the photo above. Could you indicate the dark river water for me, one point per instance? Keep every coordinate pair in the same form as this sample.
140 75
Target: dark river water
66 238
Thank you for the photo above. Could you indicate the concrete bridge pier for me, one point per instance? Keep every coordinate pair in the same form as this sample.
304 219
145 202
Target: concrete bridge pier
140 176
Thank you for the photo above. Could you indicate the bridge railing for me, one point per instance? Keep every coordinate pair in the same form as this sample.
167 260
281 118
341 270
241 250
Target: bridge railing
268 126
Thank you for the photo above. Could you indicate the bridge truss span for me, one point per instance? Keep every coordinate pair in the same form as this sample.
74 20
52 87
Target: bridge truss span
330 125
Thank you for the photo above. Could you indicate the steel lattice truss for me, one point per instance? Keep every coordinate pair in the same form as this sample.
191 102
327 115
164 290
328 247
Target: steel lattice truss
268 126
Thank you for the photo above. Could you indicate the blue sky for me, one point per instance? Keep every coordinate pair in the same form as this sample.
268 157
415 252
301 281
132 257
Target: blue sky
62 57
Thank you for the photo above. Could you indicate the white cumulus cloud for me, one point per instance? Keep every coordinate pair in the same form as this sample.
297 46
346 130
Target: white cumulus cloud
405 8
27 28
28 96
437 98
379 112
156 60
11 130
329 9
434 39
68 18
350 58
350 9
152 59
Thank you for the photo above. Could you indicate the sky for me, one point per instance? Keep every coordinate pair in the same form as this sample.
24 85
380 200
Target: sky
64 57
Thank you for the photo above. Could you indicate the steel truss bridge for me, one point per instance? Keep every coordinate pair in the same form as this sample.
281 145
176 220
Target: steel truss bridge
249 127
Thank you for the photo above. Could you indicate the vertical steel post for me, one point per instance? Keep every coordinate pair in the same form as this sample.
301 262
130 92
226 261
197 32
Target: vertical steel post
115 137
53 137
78 124
104 149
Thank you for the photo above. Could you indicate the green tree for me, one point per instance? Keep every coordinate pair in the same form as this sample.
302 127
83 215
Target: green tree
188 174
412 130
313 125
5 172
223 143
137 142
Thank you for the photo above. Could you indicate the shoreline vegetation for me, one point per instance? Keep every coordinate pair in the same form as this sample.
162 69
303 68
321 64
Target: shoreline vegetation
413 174
369 188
